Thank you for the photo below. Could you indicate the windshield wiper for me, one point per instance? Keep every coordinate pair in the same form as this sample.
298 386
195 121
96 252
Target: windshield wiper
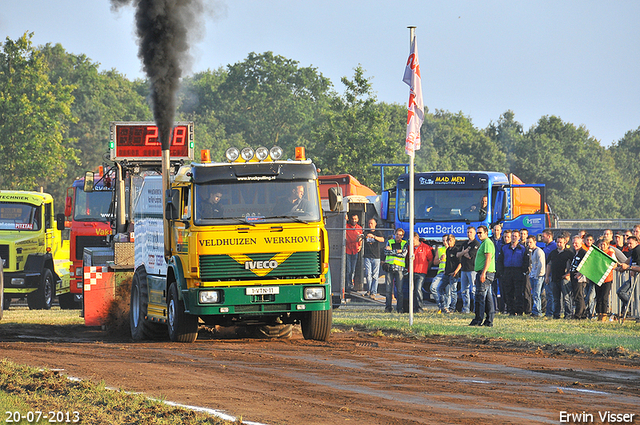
241 220
292 217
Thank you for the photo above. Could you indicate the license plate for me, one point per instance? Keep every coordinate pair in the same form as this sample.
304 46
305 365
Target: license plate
263 290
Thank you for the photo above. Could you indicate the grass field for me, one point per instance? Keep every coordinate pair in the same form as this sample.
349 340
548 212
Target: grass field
584 335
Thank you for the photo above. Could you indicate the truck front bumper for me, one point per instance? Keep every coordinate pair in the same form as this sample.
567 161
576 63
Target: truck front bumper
271 299
21 282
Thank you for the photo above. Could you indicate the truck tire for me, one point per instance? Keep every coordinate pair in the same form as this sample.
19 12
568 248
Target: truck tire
279 331
183 327
140 327
43 297
68 302
317 325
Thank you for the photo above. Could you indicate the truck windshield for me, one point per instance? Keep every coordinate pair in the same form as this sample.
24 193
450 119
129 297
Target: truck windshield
92 206
15 216
444 205
257 201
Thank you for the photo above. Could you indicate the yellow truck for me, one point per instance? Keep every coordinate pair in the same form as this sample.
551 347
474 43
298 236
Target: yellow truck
34 256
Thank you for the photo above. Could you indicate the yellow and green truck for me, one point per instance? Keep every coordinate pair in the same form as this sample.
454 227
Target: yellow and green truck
248 248
35 258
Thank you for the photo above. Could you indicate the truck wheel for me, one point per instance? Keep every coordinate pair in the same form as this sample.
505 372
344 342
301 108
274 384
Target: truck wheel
68 302
183 327
141 328
280 331
317 325
43 297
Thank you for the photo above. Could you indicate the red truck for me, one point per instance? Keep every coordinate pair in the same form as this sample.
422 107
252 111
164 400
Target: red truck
89 215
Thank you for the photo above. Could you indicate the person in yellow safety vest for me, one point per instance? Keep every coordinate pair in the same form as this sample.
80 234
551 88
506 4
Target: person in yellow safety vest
439 259
396 251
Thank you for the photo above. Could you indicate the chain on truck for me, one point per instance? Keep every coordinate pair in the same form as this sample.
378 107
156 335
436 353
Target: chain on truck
235 243
34 256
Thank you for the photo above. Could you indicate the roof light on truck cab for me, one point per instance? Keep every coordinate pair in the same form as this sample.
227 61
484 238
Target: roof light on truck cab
276 153
205 156
232 154
300 154
246 154
262 153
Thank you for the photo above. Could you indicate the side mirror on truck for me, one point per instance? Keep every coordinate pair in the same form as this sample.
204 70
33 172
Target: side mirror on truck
335 198
60 221
172 208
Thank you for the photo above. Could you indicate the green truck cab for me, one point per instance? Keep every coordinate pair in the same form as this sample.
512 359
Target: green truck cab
34 256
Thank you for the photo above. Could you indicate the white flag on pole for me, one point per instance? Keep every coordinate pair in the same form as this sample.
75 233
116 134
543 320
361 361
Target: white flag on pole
415 115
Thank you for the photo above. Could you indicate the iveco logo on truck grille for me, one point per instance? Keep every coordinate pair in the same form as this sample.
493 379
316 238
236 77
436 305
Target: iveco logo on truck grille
252 265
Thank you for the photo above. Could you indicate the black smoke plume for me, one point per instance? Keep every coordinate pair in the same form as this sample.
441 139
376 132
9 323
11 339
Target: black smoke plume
164 29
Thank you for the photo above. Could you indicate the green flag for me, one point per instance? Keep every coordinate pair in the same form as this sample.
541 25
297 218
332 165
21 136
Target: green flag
596 265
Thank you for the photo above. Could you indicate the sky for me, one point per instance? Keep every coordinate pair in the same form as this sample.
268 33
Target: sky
578 60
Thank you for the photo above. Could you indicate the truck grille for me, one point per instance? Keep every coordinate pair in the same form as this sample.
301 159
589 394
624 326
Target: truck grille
225 268
89 241
4 254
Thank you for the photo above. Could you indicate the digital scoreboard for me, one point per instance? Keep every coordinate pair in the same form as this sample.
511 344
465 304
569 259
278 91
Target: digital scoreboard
138 141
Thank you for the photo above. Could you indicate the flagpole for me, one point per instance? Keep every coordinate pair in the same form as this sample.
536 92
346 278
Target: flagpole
412 35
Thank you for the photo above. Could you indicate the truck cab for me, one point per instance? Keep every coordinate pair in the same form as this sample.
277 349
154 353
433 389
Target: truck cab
34 256
248 248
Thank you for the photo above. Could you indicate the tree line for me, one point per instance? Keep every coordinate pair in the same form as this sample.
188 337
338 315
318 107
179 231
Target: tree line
55 109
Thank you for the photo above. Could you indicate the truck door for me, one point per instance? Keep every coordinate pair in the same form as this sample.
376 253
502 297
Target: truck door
48 227
497 211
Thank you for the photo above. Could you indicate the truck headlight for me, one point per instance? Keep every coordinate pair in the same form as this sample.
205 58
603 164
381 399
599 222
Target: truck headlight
209 297
79 272
17 281
314 293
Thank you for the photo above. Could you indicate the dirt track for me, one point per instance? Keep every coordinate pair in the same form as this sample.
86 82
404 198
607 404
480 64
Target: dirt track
353 378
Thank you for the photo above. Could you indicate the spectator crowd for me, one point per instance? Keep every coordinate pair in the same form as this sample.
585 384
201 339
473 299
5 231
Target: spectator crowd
510 272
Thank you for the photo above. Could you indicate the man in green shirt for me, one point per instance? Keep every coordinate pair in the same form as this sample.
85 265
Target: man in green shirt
485 268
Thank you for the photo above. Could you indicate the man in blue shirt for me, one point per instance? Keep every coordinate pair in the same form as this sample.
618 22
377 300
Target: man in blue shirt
549 243
513 274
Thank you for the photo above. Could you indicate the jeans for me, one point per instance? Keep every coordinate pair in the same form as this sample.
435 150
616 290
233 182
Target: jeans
562 298
418 280
548 290
467 280
447 292
435 284
433 288
536 288
371 273
394 277
484 299
352 260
